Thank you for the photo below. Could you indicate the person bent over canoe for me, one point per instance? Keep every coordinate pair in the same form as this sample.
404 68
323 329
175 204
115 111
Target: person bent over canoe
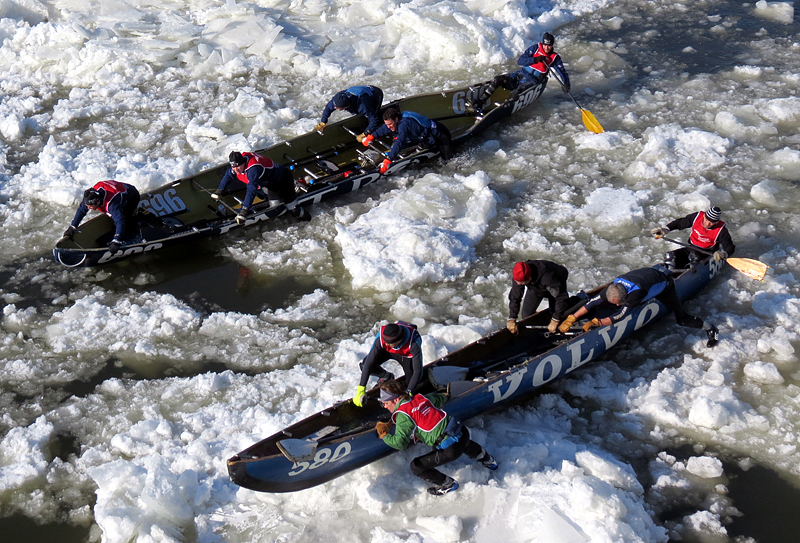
117 200
410 129
260 173
419 418
633 288
536 62
537 280
708 233
399 341
363 100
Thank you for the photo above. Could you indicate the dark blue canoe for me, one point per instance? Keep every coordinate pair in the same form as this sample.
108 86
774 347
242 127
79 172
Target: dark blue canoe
481 376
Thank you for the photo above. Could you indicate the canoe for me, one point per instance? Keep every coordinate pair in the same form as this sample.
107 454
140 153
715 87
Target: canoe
483 375
323 165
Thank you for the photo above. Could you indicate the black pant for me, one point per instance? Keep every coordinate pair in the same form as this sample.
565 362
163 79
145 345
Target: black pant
681 258
424 466
443 140
406 362
534 296
284 189
669 297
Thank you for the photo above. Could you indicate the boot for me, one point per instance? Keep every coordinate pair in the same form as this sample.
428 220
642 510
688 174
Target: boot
488 461
713 336
450 485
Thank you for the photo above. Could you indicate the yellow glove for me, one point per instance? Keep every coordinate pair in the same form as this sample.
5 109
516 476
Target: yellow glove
720 255
320 127
383 429
511 324
591 324
360 137
360 396
553 326
565 326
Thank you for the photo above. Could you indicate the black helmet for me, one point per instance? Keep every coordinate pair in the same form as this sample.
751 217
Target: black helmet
548 39
92 197
236 159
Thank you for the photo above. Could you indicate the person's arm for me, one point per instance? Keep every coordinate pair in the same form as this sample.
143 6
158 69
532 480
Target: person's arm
515 299
683 222
226 179
116 210
562 297
79 215
416 362
558 66
528 57
437 399
403 430
725 241
326 113
253 176
370 360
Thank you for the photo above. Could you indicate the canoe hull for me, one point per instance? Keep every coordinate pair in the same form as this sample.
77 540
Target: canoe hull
323 165
486 386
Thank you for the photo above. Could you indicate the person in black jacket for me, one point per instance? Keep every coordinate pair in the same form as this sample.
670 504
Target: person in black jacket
537 280
708 233
634 288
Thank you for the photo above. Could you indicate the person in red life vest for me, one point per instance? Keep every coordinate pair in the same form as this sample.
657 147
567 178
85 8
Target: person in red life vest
537 280
419 418
708 233
260 173
398 341
536 62
117 200
410 129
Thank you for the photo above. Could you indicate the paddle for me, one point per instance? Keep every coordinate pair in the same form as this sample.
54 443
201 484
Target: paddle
589 120
201 187
755 269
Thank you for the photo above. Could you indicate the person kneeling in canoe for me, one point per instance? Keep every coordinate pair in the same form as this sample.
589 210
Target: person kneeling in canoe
418 417
708 233
117 200
399 341
537 280
363 100
410 129
633 288
257 173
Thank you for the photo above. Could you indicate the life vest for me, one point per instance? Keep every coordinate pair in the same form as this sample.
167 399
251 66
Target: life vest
404 349
703 237
421 120
542 60
252 160
425 416
109 189
630 286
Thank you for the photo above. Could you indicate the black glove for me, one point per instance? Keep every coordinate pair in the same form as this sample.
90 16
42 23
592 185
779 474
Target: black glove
565 87
114 246
216 194
69 232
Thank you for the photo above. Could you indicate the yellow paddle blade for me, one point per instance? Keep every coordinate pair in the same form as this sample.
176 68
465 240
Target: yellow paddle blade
591 122
754 269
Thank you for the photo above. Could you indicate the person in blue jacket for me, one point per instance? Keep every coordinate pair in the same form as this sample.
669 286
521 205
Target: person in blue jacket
634 288
256 173
410 129
536 62
363 100
117 200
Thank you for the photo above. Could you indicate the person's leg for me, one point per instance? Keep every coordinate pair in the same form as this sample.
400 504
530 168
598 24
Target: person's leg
533 297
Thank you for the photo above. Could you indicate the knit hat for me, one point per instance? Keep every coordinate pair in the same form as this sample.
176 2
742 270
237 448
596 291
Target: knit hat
341 100
387 396
92 197
392 333
236 159
713 214
548 39
522 272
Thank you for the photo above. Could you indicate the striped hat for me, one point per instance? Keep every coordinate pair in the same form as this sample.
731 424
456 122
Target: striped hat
713 214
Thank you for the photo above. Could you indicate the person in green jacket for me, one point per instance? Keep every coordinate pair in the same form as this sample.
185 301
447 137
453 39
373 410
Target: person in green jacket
418 417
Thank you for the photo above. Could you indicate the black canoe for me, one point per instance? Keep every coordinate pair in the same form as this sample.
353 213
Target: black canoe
483 375
324 165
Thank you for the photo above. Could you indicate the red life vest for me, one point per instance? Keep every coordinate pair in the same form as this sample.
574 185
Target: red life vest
422 412
404 349
703 237
252 160
110 189
543 60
